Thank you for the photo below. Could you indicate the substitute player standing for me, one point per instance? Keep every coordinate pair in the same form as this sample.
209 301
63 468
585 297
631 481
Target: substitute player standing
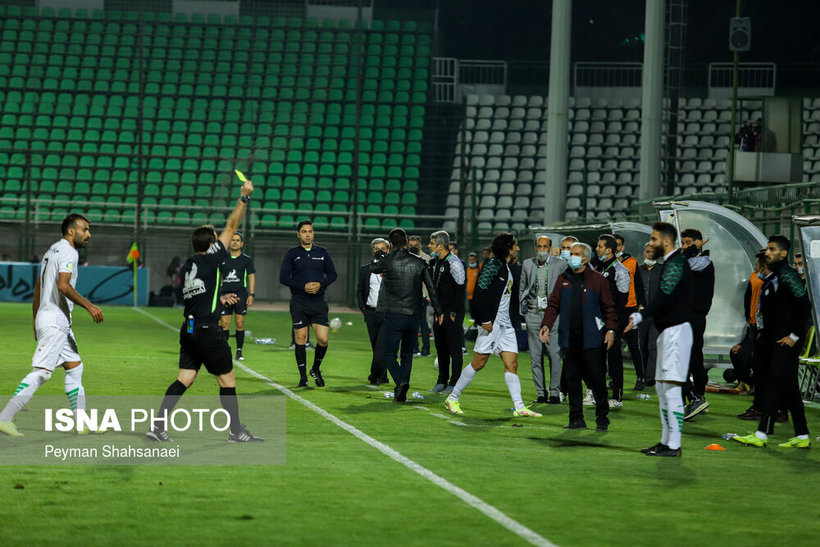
238 277
52 304
201 341
308 270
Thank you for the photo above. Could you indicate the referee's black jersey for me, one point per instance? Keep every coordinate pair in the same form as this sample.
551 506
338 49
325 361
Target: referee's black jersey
200 284
235 271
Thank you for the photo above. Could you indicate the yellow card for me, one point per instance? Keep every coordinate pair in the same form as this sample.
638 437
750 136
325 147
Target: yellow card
240 175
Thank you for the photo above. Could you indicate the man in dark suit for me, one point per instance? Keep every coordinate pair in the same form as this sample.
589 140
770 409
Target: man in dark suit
367 297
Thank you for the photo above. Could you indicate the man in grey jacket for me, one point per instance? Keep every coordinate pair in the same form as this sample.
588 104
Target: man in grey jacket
538 278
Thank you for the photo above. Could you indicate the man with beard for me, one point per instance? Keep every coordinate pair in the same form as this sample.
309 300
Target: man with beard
784 310
53 302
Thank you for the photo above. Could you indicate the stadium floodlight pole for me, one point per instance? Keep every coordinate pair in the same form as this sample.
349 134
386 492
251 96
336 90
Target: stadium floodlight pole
730 169
557 112
652 100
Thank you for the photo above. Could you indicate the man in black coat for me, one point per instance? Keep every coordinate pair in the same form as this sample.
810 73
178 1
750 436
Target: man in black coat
400 299
367 297
450 281
703 279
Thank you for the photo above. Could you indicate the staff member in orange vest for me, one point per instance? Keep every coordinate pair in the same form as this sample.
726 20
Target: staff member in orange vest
634 302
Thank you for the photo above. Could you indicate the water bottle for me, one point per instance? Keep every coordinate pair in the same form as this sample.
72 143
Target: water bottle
644 396
265 341
729 436
417 395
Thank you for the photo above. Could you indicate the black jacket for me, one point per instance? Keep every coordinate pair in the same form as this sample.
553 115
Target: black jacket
403 276
784 303
489 288
672 304
450 281
363 286
704 282
650 280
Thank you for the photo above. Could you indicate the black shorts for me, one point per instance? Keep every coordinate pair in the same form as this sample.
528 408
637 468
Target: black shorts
206 346
306 312
240 308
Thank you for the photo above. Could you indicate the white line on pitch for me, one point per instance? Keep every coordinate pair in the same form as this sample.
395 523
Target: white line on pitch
490 511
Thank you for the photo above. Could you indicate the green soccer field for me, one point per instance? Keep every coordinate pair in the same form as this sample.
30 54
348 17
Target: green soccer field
481 479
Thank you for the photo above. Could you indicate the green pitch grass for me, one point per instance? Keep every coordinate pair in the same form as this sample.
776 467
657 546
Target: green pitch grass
571 487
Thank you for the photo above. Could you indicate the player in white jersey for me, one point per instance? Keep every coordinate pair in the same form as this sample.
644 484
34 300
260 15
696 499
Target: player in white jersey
54 299
493 299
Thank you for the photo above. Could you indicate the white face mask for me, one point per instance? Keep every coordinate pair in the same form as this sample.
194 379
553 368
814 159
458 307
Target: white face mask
542 255
575 262
619 254
649 261
800 270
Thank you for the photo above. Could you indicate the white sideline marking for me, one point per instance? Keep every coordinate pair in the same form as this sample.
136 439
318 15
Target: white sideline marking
490 511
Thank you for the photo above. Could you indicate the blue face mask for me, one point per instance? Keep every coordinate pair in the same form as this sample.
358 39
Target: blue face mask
575 262
602 257
760 276
565 255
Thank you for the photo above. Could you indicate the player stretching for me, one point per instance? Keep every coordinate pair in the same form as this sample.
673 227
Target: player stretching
238 277
307 269
201 341
53 301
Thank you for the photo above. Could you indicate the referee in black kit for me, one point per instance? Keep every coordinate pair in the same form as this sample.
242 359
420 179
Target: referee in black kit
238 276
201 341
308 270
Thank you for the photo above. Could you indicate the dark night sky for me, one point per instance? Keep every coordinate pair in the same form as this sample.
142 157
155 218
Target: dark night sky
784 32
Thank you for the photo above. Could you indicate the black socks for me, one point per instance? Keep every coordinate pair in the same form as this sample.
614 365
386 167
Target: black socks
227 396
240 338
319 355
301 359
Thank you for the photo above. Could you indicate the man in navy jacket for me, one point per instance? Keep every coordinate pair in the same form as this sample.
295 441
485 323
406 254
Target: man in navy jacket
582 299
308 270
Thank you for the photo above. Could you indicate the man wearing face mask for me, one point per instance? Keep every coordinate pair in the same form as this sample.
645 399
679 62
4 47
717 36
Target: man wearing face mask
616 274
367 296
798 265
650 274
449 280
634 302
703 278
566 245
538 276
582 305
415 248
472 274
784 309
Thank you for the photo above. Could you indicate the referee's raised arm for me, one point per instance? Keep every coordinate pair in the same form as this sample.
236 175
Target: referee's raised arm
236 215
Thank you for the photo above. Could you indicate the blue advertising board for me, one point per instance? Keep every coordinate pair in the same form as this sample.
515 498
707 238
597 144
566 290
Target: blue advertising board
100 284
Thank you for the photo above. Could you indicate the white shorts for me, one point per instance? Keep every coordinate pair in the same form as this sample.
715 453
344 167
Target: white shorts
674 349
55 346
500 339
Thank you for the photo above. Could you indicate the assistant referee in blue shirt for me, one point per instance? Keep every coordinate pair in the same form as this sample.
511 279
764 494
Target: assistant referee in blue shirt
308 269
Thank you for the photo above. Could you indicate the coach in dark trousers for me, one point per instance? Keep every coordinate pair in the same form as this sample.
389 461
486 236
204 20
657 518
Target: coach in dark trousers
650 274
450 282
582 300
367 296
703 278
399 299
